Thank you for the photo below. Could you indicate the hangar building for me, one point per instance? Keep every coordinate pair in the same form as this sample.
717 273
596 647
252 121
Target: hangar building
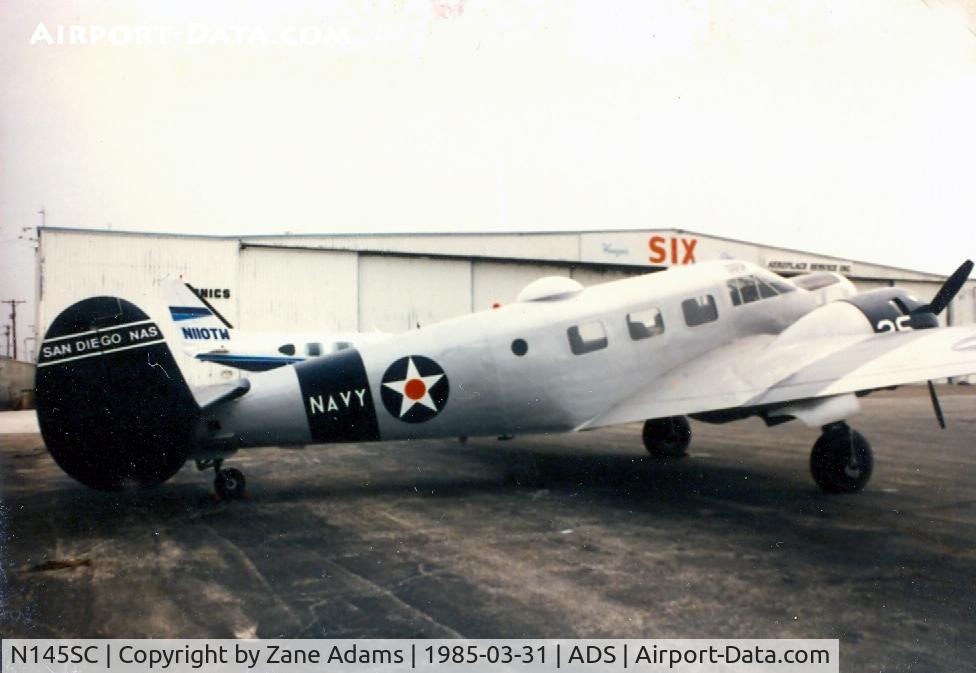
392 283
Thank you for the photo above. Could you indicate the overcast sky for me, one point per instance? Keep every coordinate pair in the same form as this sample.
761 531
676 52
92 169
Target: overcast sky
837 127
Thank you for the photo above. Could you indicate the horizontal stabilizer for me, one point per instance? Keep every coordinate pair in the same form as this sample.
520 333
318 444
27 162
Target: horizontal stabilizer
210 396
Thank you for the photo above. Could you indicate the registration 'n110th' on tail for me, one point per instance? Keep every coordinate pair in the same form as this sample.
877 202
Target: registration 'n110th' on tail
208 337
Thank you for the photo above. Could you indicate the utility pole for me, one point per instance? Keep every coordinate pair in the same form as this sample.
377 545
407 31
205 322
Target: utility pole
30 233
29 352
13 320
6 335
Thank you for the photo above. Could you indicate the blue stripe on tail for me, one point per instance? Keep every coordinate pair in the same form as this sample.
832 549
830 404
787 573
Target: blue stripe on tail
189 312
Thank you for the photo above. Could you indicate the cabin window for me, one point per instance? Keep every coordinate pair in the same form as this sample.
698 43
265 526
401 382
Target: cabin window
313 350
748 289
699 310
765 290
781 286
743 290
734 293
644 324
287 349
747 286
341 345
520 347
587 337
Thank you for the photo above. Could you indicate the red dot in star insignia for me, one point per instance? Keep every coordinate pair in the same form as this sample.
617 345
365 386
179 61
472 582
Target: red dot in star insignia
415 389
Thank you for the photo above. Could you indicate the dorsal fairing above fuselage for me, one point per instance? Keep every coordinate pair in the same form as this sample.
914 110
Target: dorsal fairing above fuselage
826 286
550 288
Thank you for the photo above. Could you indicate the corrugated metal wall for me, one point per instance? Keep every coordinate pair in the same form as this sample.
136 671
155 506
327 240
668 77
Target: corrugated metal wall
296 289
398 293
76 265
591 276
551 247
967 309
501 282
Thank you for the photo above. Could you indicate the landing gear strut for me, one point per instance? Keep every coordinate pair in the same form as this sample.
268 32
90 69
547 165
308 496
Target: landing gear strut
228 483
841 460
667 437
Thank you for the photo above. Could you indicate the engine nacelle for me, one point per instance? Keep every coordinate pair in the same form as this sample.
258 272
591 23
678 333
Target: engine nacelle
835 319
890 309
881 310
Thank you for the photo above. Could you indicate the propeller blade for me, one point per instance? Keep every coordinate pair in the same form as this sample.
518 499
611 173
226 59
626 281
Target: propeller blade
948 290
935 405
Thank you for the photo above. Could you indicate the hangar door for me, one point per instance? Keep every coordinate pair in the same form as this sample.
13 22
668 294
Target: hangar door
502 281
281 289
594 276
398 293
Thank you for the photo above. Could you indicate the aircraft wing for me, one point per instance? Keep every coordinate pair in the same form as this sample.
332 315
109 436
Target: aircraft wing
755 371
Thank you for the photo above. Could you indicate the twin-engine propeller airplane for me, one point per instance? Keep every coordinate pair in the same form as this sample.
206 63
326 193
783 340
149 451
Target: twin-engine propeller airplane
718 341
208 337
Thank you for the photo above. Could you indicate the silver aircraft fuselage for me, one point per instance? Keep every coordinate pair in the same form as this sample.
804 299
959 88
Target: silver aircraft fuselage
551 363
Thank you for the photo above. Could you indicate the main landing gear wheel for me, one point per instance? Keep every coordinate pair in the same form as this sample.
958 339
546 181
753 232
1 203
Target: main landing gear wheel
229 484
841 460
667 437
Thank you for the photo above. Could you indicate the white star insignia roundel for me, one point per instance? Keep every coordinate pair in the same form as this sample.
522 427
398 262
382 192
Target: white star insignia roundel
414 389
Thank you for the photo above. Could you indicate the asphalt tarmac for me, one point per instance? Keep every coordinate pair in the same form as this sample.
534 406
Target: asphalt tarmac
552 536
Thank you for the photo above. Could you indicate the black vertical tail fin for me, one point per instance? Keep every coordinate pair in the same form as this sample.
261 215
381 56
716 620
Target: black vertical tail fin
112 404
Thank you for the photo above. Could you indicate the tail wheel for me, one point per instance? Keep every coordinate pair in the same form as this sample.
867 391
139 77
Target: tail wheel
667 437
841 460
229 484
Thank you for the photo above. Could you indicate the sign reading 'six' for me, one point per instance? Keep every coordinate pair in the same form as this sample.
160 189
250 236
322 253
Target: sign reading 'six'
414 389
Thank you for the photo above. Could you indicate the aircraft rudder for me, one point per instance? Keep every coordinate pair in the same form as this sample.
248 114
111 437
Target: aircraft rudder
112 403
